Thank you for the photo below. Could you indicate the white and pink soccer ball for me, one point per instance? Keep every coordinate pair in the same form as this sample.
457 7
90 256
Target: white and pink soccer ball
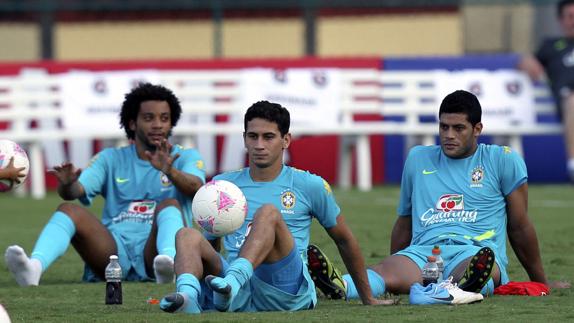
10 149
219 207
4 318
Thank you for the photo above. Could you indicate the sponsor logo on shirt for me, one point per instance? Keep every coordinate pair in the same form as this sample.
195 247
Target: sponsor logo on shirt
140 211
448 208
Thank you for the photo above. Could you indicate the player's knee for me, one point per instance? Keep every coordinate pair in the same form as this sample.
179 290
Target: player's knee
189 236
70 209
267 213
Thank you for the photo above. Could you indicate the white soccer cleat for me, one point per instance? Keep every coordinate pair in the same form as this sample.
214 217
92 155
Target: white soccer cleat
26 271
163 269
460 296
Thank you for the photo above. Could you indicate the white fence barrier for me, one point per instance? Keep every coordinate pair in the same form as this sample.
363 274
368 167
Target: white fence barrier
36 99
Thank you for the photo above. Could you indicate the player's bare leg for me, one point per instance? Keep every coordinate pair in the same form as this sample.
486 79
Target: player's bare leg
159 251
269 241
70 223
568 115
195 259
399 273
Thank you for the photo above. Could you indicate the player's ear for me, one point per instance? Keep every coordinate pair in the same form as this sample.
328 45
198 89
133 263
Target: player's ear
286 140
477 129
132 125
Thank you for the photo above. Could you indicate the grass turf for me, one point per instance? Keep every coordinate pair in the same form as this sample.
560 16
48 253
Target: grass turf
62 297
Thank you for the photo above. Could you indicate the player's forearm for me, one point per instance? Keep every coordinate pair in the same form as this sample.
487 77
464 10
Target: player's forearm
187 184
71 191
525 245
400 237
355 264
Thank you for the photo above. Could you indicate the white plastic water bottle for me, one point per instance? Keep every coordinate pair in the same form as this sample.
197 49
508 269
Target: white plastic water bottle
430 271
439 262
114 281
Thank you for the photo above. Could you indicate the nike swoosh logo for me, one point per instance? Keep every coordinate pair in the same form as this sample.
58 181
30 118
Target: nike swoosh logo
121 180
428 172
450 298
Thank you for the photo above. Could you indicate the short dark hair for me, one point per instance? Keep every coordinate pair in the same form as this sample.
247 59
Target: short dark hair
147 92
462 102
561 5
272 112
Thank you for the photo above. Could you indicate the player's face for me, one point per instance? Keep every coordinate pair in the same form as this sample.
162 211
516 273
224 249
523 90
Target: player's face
567 20
458 138
264 143
152 124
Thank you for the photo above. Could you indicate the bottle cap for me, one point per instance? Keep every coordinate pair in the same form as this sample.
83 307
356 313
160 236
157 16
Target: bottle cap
431 258
436 250
113 257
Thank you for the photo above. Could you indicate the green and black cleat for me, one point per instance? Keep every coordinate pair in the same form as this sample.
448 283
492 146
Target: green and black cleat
326 277
478 271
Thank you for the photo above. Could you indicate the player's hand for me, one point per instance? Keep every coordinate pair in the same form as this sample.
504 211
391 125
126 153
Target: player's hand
13 173
376 301
559 284
66 173
161 159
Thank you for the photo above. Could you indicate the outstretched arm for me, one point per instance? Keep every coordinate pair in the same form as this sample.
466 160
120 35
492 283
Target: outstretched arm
69 188
522 235
353 259
12 173
532 67
161 159
402 234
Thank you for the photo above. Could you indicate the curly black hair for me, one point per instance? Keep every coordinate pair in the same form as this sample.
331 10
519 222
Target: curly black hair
147 92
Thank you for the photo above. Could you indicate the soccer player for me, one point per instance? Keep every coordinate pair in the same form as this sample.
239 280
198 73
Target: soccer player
264 269
147 186
462 196
555 60
11 173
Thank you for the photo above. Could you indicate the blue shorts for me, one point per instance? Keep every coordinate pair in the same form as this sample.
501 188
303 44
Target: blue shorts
130 253
262 294
452 255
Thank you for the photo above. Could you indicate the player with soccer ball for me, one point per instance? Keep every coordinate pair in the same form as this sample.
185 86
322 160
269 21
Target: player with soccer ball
147 186
264 269
14 165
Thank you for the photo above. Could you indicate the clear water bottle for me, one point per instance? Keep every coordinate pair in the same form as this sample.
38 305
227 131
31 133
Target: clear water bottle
439 262
113 281
430 271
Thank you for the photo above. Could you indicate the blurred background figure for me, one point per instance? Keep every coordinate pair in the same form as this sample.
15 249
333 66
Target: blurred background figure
554 62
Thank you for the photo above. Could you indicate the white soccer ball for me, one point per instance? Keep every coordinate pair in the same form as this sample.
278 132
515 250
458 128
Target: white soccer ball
10 149
4 318
219 207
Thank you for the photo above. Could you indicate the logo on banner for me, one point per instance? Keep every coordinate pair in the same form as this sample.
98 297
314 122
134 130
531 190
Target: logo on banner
100 87
320 78
280 75
475 88
514 87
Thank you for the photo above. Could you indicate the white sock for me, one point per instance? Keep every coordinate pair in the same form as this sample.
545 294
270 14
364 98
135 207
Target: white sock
26 271
163 269
570 165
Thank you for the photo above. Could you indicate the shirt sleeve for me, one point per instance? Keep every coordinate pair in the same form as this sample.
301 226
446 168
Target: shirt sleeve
405 200
93 178
513 171
191 162
324 205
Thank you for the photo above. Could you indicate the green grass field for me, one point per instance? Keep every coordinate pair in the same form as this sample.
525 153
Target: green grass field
62 297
